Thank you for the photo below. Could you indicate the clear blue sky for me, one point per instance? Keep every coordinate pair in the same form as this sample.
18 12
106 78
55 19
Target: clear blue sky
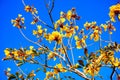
89 10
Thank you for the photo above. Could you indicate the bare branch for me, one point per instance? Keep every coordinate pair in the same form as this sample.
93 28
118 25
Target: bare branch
111 76
41 21
29 39
20 69
50 11
66 55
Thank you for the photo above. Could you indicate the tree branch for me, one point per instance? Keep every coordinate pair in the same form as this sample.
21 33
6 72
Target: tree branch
50 11
66 55
29 39
113 70
41 21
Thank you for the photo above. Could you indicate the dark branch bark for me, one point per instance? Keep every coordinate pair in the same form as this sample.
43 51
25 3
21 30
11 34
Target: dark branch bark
111 76
50 11
66 55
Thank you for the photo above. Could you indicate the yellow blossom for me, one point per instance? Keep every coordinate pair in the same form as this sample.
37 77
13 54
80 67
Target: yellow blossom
55 36
76 38
59 68
8 69
51 55
114 11
116 62
69 32
95 35
87 25
7 52
49 75
30 9
34 32
69 14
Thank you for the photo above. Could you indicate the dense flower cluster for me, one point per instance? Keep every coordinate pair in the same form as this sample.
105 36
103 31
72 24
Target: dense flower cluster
55 36
66 36
18 22
31 9
21 54
114 11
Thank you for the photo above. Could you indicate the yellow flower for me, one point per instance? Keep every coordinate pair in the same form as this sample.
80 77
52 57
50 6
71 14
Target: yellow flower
69 15
104 26
119 16
31 47
81 43
56 36
7 52
8 69
93 23
34 32
51 55
116 62
59 68
76 27
95 35
114 11
87 25
69 32
76 38
49 75
18 22
30 9
27 8
61 50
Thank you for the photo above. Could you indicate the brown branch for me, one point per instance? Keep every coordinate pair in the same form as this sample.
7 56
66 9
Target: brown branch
113 70
50 11
29 39
41 21
76 71
66 55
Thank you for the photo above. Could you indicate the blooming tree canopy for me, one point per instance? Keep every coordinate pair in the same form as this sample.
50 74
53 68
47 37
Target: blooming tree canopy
66 37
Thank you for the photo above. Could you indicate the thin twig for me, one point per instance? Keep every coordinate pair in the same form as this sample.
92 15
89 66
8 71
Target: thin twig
71 49
66 55
50 11
23 3
29 39
41 21
20 69
113 70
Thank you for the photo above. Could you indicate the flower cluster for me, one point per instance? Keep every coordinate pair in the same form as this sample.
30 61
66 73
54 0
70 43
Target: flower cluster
66 23
39 32
21 54
106 57
108 26
95 29
57 68
114 11
52 55
18 22
80 43
31 9
55 36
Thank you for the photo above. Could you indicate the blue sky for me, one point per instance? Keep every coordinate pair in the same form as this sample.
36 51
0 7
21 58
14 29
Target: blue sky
89 10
